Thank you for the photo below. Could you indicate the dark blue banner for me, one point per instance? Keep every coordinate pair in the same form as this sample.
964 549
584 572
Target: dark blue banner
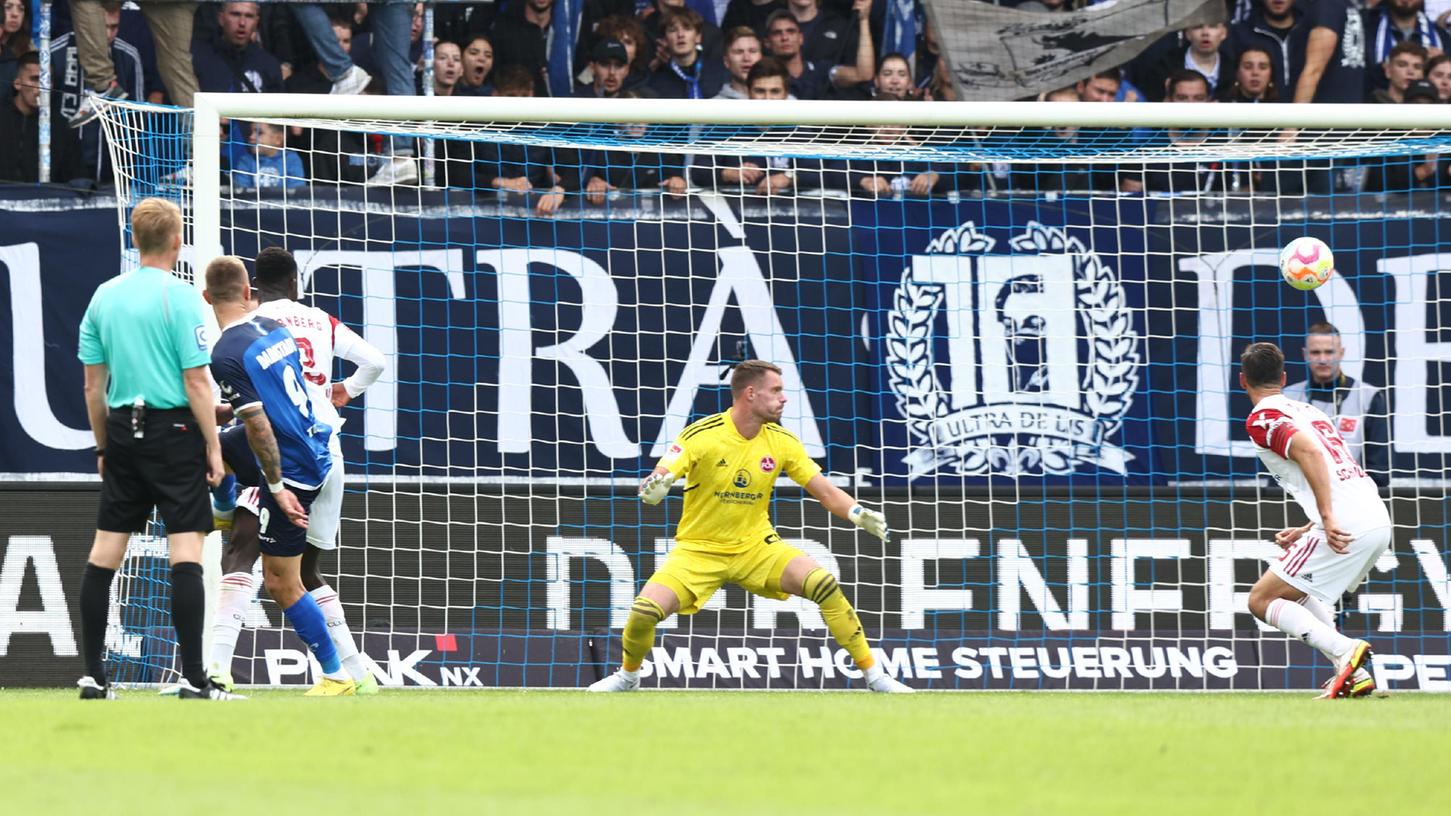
1058 342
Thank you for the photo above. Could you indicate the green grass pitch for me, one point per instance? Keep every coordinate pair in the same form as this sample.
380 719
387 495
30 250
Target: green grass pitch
738 753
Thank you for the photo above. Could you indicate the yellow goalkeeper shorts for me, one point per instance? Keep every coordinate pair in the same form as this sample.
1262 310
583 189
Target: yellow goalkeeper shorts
695 575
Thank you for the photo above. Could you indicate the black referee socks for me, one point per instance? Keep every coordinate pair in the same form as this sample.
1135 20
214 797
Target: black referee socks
95 604
188 608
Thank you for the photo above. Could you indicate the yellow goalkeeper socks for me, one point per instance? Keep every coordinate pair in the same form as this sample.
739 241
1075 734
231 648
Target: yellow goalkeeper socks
639 633
821 589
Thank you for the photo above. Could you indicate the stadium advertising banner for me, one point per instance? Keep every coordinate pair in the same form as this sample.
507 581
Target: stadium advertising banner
1131 591
952 342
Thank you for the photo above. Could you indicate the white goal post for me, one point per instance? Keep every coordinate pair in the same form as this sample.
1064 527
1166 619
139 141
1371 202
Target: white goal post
1024 355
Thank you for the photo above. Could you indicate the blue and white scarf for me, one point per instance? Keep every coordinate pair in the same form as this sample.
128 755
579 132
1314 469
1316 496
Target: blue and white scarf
899 32
563 33
692 79
1387 35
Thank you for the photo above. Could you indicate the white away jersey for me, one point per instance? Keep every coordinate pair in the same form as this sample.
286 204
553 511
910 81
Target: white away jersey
1278 422
320 337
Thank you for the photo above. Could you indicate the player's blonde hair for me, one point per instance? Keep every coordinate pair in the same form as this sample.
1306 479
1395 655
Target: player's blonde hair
227 279
748 374
155 223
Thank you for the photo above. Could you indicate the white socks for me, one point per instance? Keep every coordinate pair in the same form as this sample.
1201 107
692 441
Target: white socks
233 598
1306 624
337 629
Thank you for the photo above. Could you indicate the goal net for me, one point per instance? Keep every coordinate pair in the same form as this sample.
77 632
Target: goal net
1014 328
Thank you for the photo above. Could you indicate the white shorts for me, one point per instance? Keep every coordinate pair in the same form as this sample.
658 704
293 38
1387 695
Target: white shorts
1313 568
326 513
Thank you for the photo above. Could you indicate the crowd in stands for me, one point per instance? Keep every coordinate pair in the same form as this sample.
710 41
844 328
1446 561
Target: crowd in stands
1273 51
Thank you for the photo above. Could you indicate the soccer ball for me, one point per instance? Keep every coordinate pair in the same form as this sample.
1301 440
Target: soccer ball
1306 263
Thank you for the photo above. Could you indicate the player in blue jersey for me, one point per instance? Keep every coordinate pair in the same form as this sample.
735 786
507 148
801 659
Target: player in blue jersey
256 365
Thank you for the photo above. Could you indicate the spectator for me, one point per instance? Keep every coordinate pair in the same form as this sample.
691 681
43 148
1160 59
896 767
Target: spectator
170 24
1253 77
448 67
751 13
687 75
15 29
1401 174
1253 83
1056 177
1334 67
268 163
605 171
1438 73
768 175
329 155
20 131
631 35
825 32
315 80
609 65
232 61
1421 92
712 42
68 86
1391 23
1272 25
742 52
478 65
14 38
809 80
1201 48
1405 64
526 35
1183 86
894 78
334 63
882 179
861 51
515 168
385 50
1101 87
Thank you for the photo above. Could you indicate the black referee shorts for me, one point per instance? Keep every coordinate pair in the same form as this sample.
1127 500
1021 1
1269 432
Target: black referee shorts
165 469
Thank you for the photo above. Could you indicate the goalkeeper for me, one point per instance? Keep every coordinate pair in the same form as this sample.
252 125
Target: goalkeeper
731 461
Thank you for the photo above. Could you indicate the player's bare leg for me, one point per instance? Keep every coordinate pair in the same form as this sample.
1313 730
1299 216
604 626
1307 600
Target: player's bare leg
1277 603
337 623
655 603
234 597
806 578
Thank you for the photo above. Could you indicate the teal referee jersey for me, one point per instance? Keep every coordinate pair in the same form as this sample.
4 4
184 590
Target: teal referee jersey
147 326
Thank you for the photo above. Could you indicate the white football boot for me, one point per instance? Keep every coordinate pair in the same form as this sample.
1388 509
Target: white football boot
880 681
621 680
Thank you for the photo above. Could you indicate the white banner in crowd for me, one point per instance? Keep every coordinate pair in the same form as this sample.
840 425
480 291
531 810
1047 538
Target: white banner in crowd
996 53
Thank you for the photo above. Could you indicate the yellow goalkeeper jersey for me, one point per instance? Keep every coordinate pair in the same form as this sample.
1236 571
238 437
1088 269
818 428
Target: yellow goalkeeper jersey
729 480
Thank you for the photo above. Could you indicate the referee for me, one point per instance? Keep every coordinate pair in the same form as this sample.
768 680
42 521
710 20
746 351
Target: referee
150 403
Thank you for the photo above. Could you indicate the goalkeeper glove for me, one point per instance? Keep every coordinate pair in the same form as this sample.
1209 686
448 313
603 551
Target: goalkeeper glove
655 486
871 521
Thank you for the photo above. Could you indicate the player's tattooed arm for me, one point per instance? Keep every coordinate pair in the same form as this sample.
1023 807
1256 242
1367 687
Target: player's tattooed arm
263 442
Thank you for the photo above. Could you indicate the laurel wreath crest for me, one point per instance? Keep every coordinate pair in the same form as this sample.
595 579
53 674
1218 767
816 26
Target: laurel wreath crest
1113 369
